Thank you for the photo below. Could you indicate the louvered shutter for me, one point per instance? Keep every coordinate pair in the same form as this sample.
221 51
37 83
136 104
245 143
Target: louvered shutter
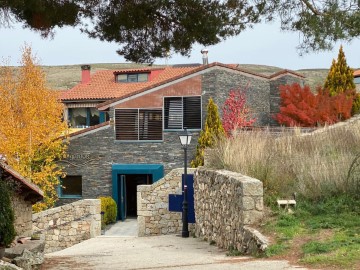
150 125
192 112
173 113
126 124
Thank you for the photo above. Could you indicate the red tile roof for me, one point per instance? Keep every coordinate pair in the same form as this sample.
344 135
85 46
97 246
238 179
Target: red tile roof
357 73
104 87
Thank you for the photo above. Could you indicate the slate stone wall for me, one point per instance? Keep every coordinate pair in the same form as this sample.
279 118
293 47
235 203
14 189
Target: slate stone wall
65 226
225 202
218 83
262 94
93 155
275 100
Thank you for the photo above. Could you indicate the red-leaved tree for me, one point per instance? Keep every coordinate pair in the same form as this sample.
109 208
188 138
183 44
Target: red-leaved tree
300 107
235 113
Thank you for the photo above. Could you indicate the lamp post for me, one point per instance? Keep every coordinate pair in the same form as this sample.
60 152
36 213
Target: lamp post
185 139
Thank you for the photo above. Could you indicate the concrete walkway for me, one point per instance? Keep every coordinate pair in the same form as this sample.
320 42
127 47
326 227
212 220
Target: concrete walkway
157 252
129 227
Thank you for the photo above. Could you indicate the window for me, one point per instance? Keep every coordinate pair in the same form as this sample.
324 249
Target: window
132 77
357 80
70 186
86 117
138 124
182 112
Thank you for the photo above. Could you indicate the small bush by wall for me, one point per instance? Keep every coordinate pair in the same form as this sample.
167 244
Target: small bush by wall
109 207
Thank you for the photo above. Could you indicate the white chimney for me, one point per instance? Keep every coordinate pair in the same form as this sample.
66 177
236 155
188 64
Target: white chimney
205 56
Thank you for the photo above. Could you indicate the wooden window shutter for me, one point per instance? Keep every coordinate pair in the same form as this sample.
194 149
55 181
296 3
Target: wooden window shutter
192 112
150 125
127 124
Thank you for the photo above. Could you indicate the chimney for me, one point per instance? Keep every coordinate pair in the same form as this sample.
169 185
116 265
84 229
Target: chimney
85 74
205 56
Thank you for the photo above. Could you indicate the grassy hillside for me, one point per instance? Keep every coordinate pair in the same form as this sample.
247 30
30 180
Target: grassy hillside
65 77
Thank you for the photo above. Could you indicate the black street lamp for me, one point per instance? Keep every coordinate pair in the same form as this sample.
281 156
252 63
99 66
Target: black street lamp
185 139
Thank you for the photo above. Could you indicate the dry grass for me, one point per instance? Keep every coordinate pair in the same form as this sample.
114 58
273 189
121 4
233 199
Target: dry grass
66 77
314 165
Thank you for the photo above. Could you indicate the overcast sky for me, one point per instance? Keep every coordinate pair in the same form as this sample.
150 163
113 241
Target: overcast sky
265 45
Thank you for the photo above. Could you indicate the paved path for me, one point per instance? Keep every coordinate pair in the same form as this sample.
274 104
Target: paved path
157 252
129 227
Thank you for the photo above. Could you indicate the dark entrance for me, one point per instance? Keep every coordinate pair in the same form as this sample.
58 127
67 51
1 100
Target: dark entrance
127 193
125 178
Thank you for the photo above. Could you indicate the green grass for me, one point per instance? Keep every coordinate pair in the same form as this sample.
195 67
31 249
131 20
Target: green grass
276 249
332 225
233 252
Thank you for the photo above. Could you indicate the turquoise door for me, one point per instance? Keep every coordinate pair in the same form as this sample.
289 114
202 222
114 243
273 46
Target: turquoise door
122 196
119 189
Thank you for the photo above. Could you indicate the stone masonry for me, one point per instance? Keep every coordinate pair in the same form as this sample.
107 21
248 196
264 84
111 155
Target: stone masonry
68 225
23 215
154 217
226 203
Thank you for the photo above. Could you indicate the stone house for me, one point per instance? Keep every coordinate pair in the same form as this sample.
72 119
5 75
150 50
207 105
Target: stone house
24 196
133 118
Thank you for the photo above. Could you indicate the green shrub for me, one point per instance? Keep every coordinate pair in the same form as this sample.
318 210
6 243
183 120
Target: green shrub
108 206
212 131
7 230
356 104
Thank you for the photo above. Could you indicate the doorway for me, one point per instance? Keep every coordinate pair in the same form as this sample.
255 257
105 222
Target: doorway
128 193
125 179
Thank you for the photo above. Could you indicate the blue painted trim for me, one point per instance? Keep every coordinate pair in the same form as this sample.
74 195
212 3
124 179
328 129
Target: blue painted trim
115 190
70 196
156 170
61 196
102 117
88 116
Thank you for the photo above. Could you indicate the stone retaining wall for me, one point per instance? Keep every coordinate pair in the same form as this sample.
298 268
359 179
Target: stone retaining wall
154 217
69 224
225 202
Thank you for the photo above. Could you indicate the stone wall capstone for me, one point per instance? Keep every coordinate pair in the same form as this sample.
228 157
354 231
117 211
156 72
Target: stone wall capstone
69 224
226 203
154 217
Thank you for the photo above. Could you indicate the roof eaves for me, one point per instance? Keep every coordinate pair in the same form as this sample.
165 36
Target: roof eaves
87 130
285 71
22 179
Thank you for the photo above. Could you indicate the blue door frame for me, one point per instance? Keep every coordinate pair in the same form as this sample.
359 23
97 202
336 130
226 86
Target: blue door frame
156 170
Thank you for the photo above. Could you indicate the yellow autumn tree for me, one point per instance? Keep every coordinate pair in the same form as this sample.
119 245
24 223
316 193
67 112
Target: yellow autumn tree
31 125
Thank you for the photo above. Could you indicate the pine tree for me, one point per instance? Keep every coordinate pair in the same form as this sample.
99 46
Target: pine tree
340 77
212 131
